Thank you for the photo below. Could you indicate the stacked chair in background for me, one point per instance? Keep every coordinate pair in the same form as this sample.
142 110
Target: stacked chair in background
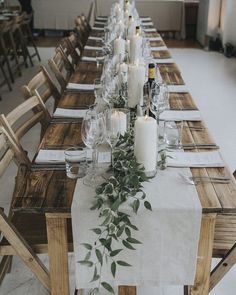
15 39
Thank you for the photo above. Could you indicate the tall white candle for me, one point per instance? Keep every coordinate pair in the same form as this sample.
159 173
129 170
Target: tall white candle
135 48
123 73
127 47
136 79
119 47
145 142
131 27
119 122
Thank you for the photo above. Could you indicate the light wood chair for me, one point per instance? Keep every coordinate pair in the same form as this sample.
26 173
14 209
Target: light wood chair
25 116
22 234
42 85
61 68
82 29
70 52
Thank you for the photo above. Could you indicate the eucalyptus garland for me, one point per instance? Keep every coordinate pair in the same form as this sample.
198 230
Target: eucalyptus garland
125 185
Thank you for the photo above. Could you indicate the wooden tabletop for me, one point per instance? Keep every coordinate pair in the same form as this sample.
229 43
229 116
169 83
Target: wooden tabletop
51 191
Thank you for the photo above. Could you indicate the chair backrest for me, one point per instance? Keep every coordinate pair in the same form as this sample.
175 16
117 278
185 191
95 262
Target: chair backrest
82 28
42 85
75 42
69 51
25 116
10 151
61 68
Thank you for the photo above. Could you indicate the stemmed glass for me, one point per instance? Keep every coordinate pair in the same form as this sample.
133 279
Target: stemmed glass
93 129
112 133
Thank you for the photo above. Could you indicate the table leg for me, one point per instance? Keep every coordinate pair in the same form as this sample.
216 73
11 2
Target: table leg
125 290
202 279
58 253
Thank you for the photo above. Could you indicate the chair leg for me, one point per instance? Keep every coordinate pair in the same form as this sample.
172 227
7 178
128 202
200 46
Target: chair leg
6 59
15 54
186 289
5 77
5 267
223 267
30 36
24 251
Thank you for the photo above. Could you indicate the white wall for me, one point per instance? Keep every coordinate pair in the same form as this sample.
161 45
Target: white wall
229 22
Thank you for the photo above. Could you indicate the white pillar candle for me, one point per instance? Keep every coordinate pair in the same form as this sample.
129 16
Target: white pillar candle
119 46
135 48
145 142
119 122
121 27
131 27
136 79
127 47
123 73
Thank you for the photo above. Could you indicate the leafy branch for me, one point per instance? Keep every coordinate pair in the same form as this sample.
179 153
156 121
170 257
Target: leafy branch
125 185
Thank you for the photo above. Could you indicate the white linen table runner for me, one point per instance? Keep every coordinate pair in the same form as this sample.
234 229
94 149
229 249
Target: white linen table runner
169 233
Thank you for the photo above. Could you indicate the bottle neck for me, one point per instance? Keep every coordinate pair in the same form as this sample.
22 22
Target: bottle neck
151 74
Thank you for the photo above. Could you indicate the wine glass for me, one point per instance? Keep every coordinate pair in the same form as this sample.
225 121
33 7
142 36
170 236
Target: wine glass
113 129
98 89
92 133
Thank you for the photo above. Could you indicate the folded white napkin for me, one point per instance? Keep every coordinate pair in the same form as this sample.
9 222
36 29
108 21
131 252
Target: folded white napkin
94 59
154 39
169 115
101 18
194 159
164 60
145 18
150 30
99 23
159 48
69 113
58 157
178 88
98 29
147 24
93 48
77 86
95 38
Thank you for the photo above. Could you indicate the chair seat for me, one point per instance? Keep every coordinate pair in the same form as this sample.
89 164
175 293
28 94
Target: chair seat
225 234
32 228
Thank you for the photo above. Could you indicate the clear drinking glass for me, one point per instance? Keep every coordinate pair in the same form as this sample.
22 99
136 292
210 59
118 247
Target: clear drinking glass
93 130
76 162
173 134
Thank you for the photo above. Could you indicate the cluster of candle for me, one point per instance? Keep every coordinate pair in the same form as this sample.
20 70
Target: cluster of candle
131 70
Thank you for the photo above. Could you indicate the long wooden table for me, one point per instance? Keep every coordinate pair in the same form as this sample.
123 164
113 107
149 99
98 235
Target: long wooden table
51 192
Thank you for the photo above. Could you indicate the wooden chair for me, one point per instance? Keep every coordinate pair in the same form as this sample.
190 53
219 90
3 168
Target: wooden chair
28 36
22 234
20 120
42 85
61 68
4 75
69 52
75 42
8 48
82 29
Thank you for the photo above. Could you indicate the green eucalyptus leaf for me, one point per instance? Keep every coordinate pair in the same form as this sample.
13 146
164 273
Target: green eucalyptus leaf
96 276
133 241
148 205
128 232
99 256
123 263
88 255
127 245
86 263
108 287
87 246
113 269
93 291
97 231
120 230
135 205
115 252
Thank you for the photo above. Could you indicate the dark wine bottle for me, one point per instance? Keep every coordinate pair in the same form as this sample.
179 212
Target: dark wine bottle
151 91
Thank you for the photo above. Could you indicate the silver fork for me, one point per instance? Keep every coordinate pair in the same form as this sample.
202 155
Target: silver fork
201 179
